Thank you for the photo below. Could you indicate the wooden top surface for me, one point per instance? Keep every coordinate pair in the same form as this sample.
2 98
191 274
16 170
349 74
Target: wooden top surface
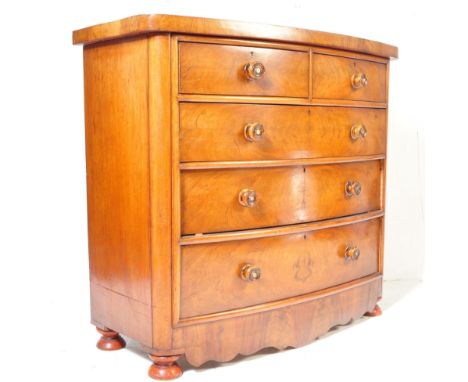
145 24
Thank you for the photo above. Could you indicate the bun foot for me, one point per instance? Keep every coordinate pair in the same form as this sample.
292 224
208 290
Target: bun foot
109 340
374 312
164 368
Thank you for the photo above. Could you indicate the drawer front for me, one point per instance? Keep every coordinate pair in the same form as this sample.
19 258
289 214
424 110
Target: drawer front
341 78
223 200
290 265
221 70
229 132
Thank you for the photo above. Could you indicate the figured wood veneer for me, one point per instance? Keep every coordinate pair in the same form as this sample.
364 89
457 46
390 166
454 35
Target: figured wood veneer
294 325
290 265
285 195
290 132
176 261
332 78
219 69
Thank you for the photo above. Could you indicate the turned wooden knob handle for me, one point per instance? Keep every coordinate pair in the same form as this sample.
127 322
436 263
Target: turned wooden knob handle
352 187
253 131
254 70
358 131
359 80
352 253
247 197
250 272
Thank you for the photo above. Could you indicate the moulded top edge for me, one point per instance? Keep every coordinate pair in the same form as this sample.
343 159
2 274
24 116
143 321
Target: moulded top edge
145 24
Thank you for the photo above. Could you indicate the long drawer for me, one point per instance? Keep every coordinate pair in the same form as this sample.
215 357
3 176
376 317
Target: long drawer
242 70
226 132
235 274
228 200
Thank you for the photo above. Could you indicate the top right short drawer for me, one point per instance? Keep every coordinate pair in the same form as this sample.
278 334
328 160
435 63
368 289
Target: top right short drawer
348 79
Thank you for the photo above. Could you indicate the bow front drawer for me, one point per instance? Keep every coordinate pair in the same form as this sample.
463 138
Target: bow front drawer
348 79
242 70
236 274
229 200
236 132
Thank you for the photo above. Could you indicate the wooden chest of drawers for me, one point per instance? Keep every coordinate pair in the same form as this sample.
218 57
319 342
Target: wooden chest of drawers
236 184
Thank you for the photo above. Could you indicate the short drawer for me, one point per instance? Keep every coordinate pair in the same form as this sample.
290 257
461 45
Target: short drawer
237 199
349 79
236 132
242 70
215 277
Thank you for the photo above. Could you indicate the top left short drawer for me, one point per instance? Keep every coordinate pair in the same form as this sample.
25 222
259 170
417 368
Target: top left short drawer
231 70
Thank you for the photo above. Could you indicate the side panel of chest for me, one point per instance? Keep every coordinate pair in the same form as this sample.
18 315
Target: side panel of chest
116 105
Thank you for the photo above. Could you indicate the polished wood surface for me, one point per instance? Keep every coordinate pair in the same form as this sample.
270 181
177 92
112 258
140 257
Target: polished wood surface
277 162
290 265
277 304
284 196
220 69
117 167
164 368
121 313
109 340
143 24
236 184
332 78
219 99
290 132
294 325
161 195
279 231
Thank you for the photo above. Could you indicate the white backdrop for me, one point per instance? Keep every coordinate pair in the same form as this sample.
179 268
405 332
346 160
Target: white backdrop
43 243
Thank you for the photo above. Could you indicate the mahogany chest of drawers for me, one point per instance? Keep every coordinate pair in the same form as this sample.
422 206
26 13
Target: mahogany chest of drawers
236 184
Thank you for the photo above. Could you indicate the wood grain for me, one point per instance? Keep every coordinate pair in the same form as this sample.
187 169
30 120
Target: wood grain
276 162
332 79
166 102
219 69
278 304
295 325
144 24
279 101
284 196
175 160
130 317
159 129
117 167
290 132
290 265
279 231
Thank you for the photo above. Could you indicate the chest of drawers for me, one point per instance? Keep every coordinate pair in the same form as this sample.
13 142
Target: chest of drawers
236 184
